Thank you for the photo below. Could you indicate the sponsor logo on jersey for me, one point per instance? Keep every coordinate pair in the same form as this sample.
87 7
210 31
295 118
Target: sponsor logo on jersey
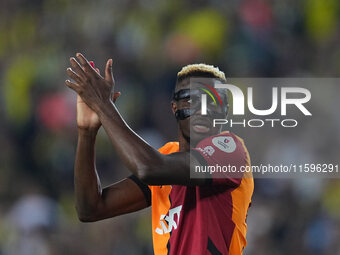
224 143
167 222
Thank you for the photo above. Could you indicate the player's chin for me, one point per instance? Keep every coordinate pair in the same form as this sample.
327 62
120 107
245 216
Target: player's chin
197 135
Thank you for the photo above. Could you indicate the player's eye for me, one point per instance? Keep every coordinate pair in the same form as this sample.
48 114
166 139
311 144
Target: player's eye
194 100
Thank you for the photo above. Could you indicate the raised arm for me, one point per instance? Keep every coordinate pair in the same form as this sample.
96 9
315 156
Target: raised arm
145 162
92 201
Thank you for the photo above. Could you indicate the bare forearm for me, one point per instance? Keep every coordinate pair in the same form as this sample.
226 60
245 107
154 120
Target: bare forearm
145 162
136 154
86 180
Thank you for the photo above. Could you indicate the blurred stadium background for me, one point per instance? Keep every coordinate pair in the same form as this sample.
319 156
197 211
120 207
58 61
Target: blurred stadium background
149 41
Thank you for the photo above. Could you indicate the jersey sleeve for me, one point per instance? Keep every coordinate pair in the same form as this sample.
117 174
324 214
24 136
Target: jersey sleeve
144 188
222 158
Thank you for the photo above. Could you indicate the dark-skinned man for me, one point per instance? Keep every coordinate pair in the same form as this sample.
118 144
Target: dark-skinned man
189 215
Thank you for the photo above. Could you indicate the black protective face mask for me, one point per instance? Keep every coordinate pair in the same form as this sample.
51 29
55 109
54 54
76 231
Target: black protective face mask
214 111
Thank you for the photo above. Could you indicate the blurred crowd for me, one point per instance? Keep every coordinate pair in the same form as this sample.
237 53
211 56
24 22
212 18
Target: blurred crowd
149 41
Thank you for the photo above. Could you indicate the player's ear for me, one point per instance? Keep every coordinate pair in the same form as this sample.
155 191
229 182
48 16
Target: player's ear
174 107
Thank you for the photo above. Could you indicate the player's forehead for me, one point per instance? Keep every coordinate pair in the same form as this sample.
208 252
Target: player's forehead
195 82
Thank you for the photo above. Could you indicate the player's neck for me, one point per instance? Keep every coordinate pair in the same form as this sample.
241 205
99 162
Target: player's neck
184 144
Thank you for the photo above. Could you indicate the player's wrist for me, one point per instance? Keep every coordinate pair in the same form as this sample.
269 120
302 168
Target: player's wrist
106 110
88 131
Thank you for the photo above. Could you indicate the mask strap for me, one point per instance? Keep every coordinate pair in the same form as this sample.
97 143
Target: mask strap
184 113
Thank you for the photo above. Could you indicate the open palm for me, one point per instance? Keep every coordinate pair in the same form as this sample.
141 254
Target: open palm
86 117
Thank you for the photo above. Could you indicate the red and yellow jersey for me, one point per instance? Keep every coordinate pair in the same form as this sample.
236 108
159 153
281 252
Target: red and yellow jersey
208 219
